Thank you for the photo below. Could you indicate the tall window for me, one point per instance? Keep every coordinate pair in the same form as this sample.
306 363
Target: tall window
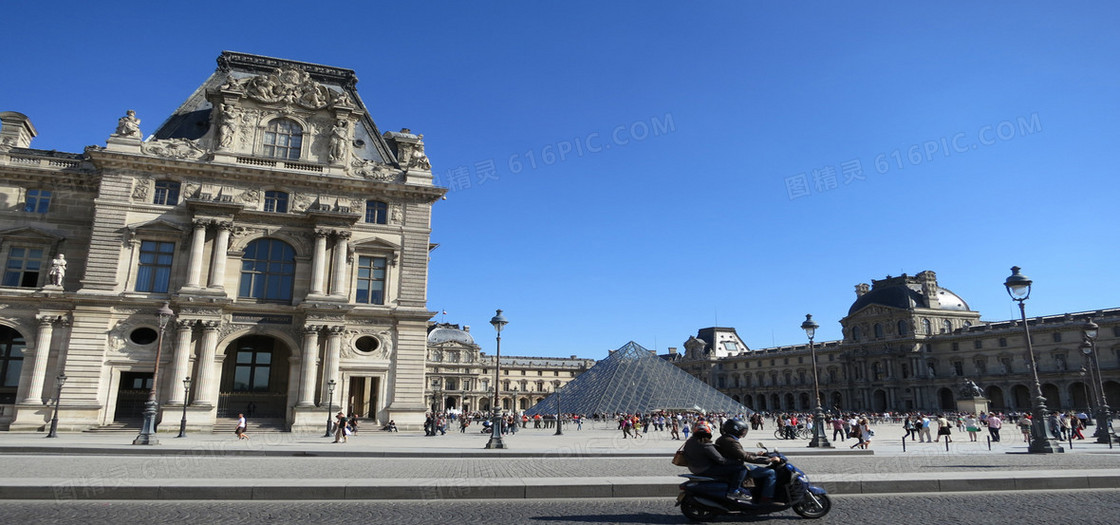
902 328
878 331
377 212
283 139
154 273
167 192
267 269
927 328
276 201
11 362
23 268
252 370
371 280
38 201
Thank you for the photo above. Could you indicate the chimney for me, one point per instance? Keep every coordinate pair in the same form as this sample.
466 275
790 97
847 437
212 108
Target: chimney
928 280
672 350
16 130
467 328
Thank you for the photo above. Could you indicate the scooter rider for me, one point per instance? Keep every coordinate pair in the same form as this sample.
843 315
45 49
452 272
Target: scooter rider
705 460
729 447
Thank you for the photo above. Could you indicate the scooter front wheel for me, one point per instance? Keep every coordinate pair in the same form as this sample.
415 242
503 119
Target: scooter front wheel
813 506
697 512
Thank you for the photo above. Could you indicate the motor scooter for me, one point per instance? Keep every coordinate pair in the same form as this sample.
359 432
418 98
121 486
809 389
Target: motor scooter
703 498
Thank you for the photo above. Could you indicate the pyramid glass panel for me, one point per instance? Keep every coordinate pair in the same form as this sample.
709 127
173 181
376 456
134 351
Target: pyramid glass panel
631 380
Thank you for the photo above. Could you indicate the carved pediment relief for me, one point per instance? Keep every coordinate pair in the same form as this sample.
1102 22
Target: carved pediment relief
178 149
289 86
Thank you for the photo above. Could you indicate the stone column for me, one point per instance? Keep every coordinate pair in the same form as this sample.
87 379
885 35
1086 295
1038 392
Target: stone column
218 258
331 366
206 386
341 272
308 366
194 265
180 365
39 361
319 262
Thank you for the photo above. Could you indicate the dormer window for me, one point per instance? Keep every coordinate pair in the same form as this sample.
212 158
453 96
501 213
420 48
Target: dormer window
377 212
283 139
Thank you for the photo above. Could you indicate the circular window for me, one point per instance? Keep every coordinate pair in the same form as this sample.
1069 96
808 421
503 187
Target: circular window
143 336
367 344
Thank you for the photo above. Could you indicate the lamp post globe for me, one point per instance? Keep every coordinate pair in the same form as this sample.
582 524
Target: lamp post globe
1019 288
820 437
61 379
498 322
1104 414
147 434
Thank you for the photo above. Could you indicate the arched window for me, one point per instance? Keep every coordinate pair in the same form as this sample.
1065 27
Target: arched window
11 362
283 139
902 328
254 364
857 334
377 212
276 201
878 331
946 326
267 270
167 192
927 328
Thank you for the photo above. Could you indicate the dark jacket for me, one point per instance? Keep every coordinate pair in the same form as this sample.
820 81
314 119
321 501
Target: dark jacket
702 456
730 448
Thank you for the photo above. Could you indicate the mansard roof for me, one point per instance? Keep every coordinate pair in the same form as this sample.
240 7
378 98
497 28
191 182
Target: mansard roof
297 86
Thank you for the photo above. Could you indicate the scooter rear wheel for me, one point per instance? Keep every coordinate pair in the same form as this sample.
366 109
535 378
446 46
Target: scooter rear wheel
813 506
697 512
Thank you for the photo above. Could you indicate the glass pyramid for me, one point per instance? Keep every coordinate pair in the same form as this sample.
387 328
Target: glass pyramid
632 380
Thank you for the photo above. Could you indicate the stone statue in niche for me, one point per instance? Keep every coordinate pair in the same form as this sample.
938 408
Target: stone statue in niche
339 138
58 270
128 125
227 127
419 158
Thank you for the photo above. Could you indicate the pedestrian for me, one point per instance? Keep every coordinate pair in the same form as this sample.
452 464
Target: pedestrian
674 429
972 426
944 428
1025 428
925 431
838 428
685 430
339 427
994 424
241 426
908 426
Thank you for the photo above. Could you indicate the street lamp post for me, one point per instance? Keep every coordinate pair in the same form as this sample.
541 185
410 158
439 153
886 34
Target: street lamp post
186 397
559 432
1019 288
820 438
499 322
330 406
1104 413
151 408
58 395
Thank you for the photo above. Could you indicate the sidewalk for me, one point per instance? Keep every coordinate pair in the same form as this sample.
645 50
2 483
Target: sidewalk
594 462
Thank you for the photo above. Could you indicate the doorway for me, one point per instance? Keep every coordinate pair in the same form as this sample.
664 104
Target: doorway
363 399
132 394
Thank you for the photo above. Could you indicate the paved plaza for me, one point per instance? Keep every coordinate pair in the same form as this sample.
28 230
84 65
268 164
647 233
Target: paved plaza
593 462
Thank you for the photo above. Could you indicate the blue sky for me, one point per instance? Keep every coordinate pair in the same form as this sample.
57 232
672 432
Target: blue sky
639 170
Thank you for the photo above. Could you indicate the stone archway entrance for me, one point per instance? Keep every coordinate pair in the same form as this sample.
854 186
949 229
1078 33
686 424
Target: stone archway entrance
255 378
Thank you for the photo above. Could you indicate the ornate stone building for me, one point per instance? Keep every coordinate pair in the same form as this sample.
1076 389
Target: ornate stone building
289 235
908 344
461 377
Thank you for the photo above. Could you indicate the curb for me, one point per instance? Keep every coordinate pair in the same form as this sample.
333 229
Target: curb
511 488
343 452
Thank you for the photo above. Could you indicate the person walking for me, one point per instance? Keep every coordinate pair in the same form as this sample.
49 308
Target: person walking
241 426
1025 428
674 429
972 426
994 424
339 427
944 428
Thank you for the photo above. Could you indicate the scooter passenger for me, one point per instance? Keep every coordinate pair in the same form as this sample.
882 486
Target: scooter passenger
729 447
705 460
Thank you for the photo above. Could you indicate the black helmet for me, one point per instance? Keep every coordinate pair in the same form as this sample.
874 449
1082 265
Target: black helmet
732 427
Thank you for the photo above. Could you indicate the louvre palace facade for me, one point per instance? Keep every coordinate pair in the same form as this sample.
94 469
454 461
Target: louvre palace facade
289 236
461 376
909 344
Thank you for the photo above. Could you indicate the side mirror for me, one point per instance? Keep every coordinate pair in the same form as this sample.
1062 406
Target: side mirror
760 445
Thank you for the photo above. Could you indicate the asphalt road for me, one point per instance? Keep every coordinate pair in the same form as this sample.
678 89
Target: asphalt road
991 508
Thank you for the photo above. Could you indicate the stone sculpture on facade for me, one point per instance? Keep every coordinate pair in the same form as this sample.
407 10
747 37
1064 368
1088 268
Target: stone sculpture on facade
419 158
289 86
58 270
227 129
970 389
128 125
339 138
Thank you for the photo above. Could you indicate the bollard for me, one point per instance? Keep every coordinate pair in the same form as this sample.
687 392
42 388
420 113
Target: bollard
904 444
946 444
989 439
1071 440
